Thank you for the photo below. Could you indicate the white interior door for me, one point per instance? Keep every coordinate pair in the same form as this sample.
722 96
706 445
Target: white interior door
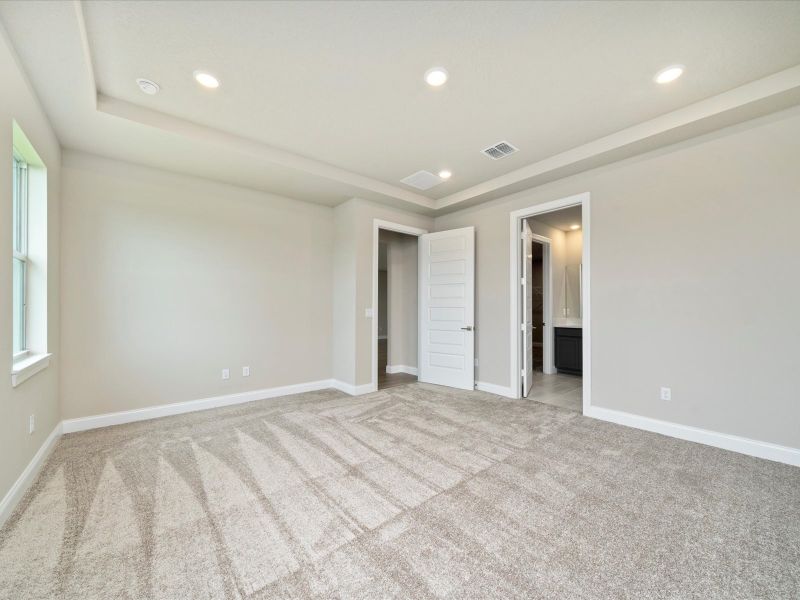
447 308
527 308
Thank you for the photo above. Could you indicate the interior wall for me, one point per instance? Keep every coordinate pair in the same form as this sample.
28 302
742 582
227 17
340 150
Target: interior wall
353 329
343 283
38 395
694 252
383 303
573 244
402 298
169 279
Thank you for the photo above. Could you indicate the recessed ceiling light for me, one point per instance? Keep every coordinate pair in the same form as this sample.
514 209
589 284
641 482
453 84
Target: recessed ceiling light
669 74
206 79
574 227
445 174
436 76
148 87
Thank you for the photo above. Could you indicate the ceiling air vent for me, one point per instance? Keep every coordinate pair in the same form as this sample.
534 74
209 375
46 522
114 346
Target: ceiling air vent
422 180
499 150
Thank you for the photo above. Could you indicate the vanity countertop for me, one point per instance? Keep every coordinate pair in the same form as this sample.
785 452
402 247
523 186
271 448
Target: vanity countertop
573 323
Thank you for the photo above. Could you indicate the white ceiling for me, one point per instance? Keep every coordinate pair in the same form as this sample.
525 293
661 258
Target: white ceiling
561 219
322 101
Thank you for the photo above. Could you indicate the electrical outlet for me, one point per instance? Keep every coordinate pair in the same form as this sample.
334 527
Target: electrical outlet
666 393
245 371
226 373
31 424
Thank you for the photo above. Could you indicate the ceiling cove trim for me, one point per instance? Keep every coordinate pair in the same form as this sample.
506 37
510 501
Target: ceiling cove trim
87 53
202 133
133 112
758 98
763 96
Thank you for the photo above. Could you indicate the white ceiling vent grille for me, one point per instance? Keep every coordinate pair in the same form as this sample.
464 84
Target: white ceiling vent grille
499 150
422 180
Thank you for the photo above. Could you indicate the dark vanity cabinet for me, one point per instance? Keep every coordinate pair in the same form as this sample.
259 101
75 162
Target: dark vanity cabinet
569 350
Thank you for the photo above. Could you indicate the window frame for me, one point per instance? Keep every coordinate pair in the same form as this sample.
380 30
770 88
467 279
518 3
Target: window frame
20 201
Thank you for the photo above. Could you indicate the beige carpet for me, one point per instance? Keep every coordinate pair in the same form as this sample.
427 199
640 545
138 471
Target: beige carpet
414 492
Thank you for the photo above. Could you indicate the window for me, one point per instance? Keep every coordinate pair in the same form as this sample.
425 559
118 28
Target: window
20 226
29 257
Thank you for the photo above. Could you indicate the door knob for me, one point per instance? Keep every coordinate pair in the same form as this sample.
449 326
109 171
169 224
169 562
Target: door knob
467 328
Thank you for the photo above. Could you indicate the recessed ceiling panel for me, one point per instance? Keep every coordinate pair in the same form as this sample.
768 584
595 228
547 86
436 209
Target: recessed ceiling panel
343 82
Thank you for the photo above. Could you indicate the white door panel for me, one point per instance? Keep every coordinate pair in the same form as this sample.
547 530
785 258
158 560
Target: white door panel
447 308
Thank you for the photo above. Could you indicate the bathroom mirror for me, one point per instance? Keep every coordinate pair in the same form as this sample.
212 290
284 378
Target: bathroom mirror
572 291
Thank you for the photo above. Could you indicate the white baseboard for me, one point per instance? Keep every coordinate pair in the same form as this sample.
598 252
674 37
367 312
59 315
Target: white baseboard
767 450
353 390
21 485
401 369
492 388
27 477
178 408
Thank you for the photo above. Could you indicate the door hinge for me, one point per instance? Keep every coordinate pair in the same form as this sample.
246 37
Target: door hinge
522 326
522 281
522 372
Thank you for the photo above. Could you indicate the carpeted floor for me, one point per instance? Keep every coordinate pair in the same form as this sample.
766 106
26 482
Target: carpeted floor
413 492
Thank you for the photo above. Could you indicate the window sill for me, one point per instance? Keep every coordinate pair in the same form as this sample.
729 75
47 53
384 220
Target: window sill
27 366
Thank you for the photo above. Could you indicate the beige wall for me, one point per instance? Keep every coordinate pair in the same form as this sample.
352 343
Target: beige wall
383 303
352 329
694 263
343 284
39 394
402 298
169 279
573 245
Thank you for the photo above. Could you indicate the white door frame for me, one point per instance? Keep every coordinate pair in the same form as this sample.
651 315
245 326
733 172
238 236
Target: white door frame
516 217
377 225
548 358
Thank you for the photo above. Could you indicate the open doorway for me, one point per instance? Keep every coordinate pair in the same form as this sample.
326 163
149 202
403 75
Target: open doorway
535 304
445 309
536 298
550 304
397 308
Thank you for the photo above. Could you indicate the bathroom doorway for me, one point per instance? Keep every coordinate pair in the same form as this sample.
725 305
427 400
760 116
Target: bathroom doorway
550 301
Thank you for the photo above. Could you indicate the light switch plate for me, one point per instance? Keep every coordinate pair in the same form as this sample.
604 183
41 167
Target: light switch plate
245 371
226 373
